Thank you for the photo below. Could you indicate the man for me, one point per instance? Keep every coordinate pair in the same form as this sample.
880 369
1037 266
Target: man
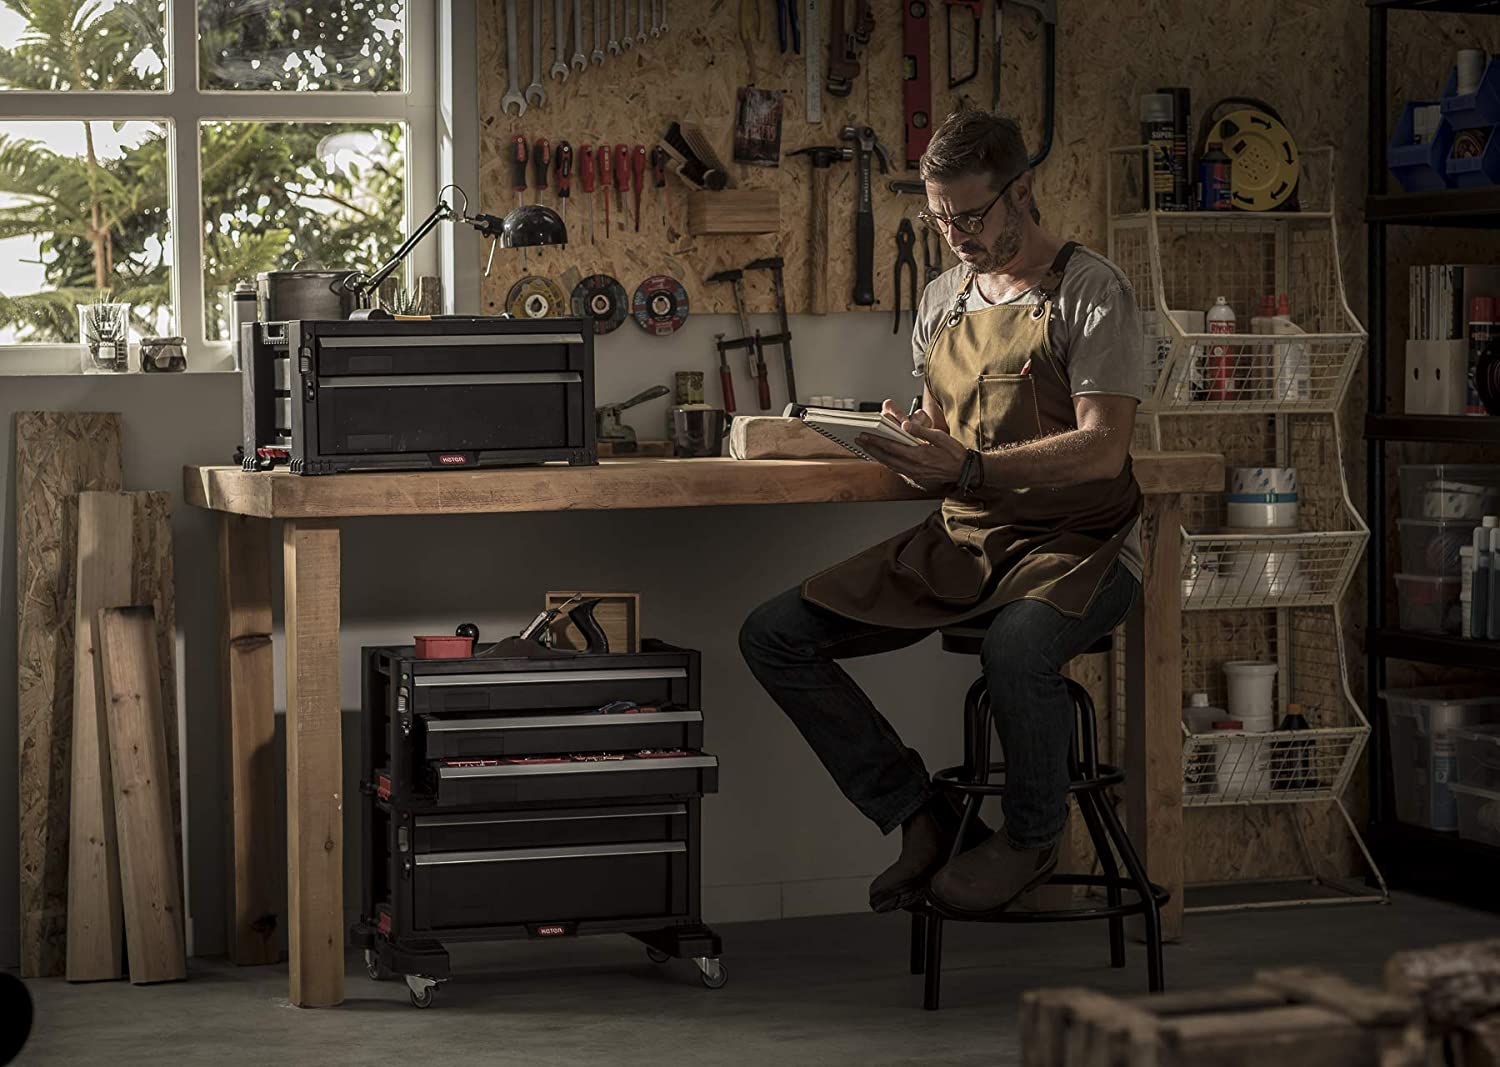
1029 351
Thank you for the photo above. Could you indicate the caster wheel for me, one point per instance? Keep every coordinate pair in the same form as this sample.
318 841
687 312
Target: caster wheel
715 977
422 999
656 955
374 968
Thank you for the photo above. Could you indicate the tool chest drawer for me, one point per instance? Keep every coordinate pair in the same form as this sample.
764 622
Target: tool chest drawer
492 887
616 823
450 736
603 776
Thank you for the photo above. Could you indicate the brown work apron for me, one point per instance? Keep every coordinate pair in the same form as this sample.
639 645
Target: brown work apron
998 381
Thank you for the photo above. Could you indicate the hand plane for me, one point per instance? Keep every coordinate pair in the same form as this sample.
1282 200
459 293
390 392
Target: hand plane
531 642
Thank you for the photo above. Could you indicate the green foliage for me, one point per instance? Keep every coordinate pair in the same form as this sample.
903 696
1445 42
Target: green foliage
269 200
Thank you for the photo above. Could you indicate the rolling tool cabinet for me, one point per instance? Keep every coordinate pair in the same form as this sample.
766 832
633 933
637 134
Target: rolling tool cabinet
519 797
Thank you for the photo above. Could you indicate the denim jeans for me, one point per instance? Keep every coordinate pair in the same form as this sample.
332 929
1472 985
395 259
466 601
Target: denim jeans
792 647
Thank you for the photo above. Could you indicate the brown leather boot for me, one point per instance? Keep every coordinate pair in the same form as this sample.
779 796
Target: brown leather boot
987 879
926 840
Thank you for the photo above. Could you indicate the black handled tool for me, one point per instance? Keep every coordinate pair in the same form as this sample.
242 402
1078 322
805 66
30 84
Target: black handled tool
776 264
866 144
906 240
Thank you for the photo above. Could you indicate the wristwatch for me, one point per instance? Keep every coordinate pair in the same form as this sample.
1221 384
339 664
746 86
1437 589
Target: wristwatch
971 473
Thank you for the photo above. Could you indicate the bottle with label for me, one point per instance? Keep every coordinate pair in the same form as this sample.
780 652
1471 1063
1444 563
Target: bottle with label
1479 605
1482 342
1213 180
1293 367
1219 363
1292 761
1157 134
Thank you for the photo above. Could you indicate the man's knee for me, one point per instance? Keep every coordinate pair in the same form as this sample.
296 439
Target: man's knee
765 631
1021 639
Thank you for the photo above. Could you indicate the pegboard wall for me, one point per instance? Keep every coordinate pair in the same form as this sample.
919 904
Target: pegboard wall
691 75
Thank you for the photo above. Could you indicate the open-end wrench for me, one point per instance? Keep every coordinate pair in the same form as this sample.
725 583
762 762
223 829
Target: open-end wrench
663 16
598 53
512 64
536 57
559 69
579 60
614 41
627 41
640 10
655 21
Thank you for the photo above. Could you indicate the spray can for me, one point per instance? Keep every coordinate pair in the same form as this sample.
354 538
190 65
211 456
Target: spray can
1182 171
1213 180
241 311
1157 133
1218 370
1482 340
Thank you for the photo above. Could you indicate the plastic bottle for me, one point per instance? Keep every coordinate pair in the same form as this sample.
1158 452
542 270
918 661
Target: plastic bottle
1260 322
1213 180
1218 376
1480 605
1492 609
1199 715
1291 761
1293 369
1481 343
1466 590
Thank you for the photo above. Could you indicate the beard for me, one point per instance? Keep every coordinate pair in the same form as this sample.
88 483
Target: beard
1004 249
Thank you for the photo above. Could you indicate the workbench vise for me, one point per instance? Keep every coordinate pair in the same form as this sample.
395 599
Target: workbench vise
608 427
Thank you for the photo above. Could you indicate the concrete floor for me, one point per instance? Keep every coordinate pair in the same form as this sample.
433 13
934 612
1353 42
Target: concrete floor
826 990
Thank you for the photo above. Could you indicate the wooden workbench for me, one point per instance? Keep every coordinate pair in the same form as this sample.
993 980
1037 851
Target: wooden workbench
311 510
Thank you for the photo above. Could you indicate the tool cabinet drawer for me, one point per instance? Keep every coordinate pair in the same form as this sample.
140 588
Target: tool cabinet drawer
605 776
453 890
616 823
660 679
467 736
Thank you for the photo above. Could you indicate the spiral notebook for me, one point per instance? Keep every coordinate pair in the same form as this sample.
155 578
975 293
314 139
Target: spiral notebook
844 427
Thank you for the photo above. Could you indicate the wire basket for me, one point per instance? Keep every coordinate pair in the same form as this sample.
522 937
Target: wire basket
1181 262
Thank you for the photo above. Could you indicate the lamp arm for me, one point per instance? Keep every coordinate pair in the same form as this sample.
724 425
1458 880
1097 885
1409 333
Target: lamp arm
360 285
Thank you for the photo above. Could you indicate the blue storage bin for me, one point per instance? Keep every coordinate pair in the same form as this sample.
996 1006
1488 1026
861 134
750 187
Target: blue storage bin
1483 169
1476 109
1419 168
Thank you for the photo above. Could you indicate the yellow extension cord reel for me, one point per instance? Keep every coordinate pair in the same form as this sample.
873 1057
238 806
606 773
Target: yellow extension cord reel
1264 163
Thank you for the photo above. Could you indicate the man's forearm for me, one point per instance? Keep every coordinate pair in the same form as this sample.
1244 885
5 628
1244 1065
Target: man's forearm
1069 458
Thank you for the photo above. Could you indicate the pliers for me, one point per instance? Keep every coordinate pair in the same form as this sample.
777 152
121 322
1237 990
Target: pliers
932 255
906 239
786 12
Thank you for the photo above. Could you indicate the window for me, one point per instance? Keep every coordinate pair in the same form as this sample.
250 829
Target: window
155 152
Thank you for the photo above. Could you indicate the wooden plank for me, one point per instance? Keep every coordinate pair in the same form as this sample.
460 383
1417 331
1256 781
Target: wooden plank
314 764
129 680
776 437
1455 984
1368 1007
613 484
253 886
1153 737
58 455
95 921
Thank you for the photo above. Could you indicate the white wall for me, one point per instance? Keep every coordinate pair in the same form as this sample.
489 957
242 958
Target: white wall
778 839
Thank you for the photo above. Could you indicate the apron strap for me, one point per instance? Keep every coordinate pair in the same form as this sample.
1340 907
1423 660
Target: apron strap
1053 278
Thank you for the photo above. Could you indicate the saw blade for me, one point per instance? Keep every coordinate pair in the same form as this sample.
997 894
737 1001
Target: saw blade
601 299
536 297
660 305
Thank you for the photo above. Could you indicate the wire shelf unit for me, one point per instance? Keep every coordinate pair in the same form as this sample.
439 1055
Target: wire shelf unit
1179 263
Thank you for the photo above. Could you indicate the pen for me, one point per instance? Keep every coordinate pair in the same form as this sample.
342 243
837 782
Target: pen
916 406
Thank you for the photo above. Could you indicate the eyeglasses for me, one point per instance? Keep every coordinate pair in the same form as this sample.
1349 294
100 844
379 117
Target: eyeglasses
970 222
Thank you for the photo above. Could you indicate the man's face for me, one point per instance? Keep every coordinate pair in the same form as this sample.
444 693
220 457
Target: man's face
999 242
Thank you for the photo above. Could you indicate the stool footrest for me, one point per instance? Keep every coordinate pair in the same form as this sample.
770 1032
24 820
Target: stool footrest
954 778
1060 915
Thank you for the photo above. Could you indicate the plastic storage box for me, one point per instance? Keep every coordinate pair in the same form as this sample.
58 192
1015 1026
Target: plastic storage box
1430 546
1421 722
1428 605
1475 110
1449 491
1478 751
1478 814
1419 168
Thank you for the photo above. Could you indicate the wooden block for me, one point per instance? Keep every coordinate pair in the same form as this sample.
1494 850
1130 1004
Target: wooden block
775 437
129 681
734 211
314 764
58 455
255 895
618 615
1455 984
104 565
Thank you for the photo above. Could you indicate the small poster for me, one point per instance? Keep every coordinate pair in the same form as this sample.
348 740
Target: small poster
757 127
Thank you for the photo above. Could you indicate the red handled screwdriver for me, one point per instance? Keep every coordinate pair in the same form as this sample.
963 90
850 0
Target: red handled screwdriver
564 156
541 156
518 168
586 175
638 172
622 181
659 179
605 170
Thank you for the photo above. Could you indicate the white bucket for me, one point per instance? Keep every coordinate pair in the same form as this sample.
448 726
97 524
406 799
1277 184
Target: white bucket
1252 693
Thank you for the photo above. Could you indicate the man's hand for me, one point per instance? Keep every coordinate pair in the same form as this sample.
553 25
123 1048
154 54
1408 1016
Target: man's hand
932 466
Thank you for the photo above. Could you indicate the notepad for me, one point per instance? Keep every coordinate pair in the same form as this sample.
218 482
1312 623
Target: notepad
845 427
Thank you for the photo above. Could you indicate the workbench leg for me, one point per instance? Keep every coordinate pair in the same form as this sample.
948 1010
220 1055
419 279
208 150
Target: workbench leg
1153 699
314 764
249 679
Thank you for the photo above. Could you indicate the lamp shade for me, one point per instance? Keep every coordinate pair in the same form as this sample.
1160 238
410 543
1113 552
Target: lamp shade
533 224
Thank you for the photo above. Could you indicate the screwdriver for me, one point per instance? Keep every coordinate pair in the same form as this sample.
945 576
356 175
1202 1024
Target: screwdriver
659 179
518 168
638 172
622 181
605 169
586 175
541 155
564 157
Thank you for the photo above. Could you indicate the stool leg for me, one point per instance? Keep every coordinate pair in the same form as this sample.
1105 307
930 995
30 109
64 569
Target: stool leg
1087 799
1151 914
918 942
934 962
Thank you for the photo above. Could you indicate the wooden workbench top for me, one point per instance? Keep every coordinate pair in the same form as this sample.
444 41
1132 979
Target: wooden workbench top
614 484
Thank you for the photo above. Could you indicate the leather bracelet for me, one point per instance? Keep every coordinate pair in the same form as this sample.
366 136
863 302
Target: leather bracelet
971 474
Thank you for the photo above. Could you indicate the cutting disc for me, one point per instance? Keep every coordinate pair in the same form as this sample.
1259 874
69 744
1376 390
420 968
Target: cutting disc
1264 161
601 298
535 297
660 305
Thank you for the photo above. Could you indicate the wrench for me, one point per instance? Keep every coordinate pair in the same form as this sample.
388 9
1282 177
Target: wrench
655 21
614 44
663 16
536 57
627 42
579 60
640 10
598 55
559 69
512 69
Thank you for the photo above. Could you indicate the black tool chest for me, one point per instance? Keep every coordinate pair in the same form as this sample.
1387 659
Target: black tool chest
520 797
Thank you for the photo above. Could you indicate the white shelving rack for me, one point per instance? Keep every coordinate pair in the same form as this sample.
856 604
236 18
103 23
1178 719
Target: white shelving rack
1275 399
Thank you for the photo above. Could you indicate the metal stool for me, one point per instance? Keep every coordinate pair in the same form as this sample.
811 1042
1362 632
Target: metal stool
1090 781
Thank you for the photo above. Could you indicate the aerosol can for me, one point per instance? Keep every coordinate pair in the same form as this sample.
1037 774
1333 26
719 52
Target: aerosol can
1217 377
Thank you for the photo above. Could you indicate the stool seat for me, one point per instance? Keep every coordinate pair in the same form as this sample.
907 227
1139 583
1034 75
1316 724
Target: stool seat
967 639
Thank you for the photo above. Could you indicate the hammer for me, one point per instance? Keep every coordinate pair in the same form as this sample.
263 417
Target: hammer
822 157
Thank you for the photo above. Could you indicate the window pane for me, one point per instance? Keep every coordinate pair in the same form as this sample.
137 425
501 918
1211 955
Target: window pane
83 44
310 44
280 194
83 208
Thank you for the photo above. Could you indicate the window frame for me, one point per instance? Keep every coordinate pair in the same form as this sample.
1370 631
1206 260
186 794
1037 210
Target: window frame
440 45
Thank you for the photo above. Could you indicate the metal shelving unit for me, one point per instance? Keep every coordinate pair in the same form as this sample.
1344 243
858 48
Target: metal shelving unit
1433 862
